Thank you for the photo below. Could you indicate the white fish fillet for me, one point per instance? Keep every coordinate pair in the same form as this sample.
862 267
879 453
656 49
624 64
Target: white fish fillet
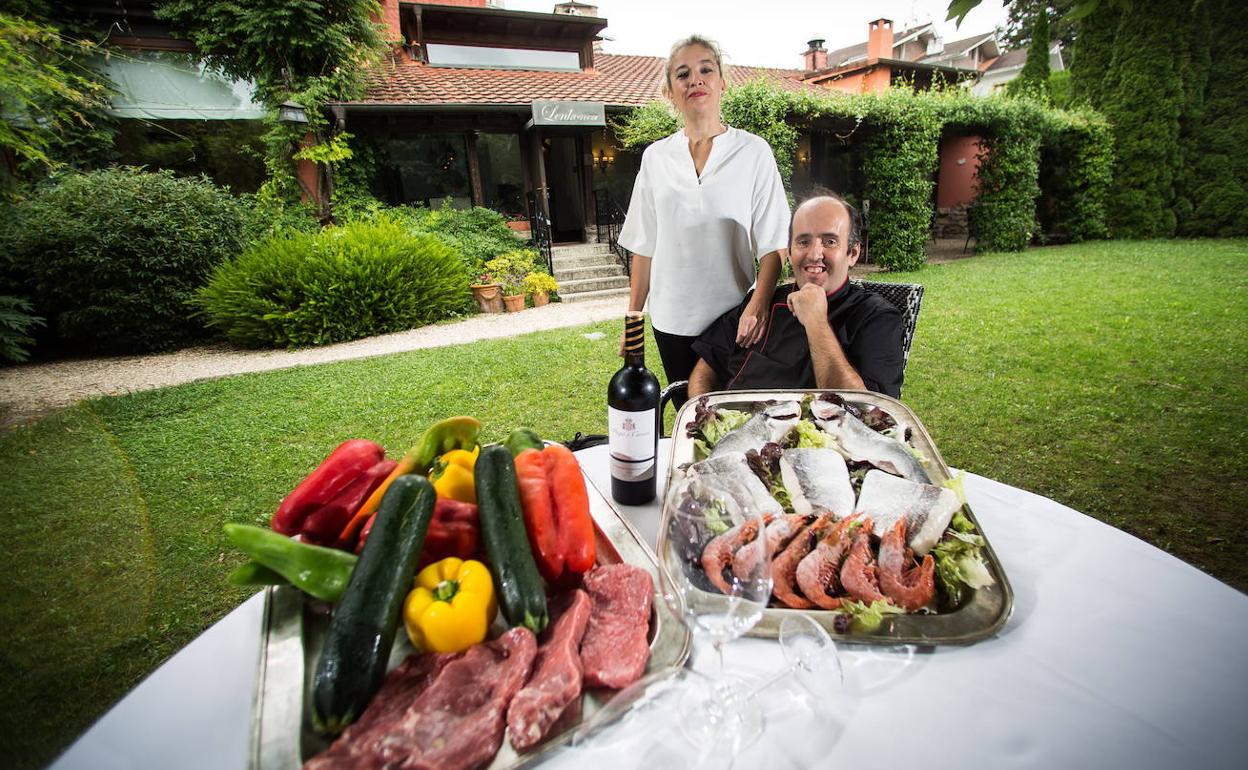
733 470
860 443
817 481
771 424
928 509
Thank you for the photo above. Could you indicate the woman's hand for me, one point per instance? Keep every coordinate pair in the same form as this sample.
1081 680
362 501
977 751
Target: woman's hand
752 324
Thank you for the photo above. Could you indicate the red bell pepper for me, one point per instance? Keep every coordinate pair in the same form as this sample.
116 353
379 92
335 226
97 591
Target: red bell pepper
323 525
344 465
455 530
556 512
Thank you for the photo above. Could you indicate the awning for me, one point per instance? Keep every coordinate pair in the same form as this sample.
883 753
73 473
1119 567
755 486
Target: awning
165 85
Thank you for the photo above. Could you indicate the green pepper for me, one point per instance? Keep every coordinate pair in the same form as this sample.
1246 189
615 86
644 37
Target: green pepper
253 573
522 439
319 572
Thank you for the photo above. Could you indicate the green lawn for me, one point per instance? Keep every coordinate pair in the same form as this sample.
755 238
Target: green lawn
1110 377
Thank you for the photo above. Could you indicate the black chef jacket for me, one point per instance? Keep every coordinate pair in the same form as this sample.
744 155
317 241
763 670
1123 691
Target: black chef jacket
868 327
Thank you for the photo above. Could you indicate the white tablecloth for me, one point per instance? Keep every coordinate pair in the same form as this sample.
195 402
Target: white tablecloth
1117 655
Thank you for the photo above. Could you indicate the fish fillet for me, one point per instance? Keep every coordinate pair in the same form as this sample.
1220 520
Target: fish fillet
860 443
817 481
771 424
733 471
926 508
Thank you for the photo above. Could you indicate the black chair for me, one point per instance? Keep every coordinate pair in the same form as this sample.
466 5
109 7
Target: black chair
906 297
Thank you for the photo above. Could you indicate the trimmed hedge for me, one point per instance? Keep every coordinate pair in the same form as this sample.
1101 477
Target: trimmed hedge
342 283
902 132
112 258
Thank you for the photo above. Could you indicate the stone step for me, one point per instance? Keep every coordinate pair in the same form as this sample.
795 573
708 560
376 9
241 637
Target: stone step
598 294
573 263
592 284
580 250
595 271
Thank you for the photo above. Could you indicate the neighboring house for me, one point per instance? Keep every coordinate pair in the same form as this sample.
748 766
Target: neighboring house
914 56
1009 65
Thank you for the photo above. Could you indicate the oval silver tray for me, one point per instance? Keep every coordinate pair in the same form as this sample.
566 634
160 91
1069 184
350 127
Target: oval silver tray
292 631
978 618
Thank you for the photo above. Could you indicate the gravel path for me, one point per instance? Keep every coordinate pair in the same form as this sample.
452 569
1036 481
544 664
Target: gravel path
29 390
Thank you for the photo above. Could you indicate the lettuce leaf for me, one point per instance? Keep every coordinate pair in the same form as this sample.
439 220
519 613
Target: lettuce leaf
865 618
960 565
716 520
721 424
809 435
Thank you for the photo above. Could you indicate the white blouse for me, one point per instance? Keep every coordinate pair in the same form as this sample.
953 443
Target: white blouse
704 233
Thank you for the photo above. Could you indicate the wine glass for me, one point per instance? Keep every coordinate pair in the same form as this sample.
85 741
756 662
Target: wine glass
715 575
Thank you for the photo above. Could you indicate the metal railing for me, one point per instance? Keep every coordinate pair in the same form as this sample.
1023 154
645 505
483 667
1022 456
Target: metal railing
609 218
539 231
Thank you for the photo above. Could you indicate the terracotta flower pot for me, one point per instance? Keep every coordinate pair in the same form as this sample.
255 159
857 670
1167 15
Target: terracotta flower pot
540 298
514 303
489 297
520 226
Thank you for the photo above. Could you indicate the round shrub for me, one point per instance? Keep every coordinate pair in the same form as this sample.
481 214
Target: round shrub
113 258
342 283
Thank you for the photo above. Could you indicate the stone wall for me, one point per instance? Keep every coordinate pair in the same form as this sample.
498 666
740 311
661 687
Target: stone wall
950 222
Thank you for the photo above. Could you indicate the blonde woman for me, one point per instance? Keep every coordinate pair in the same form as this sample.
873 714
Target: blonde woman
707 205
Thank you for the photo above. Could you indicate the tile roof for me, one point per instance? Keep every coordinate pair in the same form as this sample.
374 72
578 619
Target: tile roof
625 81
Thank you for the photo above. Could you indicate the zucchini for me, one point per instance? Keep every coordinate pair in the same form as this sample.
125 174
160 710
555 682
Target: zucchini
522 439
357 647
521 594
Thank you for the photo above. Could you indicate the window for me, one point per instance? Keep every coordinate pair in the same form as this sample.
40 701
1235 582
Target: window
502 178
444 55
425 169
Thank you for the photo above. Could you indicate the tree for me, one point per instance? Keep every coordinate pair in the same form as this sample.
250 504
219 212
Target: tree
43 102
1143 100
1021 17
308 51
1094 48
1034 79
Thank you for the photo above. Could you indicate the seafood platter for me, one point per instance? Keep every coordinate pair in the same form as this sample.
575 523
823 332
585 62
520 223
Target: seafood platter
867 529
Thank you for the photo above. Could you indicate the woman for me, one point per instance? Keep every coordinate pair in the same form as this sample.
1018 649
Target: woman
707 203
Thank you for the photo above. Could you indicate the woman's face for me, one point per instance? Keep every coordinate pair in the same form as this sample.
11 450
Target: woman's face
696 83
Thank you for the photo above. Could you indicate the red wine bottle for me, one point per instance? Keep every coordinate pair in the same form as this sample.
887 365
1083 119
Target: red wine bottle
633 420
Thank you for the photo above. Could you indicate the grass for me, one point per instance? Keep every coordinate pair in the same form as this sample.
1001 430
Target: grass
1108 376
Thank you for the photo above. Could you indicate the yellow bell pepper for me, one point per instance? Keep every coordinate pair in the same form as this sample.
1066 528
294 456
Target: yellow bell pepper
451 607
453 475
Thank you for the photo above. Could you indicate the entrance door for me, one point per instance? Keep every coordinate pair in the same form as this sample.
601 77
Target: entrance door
563 178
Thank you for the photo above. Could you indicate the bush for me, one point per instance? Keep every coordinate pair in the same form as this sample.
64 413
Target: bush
15 321
511 268
343 283
113 258
478 234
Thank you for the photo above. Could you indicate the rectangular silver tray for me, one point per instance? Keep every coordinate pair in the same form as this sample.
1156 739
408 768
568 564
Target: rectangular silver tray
292 631
978 618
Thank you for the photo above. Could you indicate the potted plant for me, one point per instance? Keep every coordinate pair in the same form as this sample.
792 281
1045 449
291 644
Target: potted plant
510 269
488 293
540 285
518 223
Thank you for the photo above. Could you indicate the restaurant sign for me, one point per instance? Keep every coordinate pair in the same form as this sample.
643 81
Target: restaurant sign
569 114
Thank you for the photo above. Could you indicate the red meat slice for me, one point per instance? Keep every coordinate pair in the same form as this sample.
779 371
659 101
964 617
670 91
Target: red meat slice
616 646
556 680
454 722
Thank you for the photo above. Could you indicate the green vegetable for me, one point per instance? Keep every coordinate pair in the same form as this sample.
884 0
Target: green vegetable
319 572
253 573
867 618
809 435
357 646
724 422
520 591
522 439
960 565
717 522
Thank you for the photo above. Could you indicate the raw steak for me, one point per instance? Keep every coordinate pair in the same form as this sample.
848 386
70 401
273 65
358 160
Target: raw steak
454 722
616 649
556 680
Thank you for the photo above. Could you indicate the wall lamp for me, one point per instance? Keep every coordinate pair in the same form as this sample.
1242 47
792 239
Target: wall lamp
602 160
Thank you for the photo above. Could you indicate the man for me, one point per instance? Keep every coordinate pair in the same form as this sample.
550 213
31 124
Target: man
822 332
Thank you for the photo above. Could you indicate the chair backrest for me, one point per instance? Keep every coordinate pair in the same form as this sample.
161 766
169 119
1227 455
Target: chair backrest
906 297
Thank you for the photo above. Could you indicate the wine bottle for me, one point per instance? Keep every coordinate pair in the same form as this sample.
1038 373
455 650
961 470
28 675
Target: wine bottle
633 419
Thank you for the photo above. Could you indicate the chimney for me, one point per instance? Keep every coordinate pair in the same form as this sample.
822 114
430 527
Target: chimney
389 16
816 56
576 9
880 39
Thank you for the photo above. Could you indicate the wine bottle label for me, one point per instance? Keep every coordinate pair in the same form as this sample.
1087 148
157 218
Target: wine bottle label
631 444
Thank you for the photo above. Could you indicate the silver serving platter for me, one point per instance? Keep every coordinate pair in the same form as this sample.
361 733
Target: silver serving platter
979 617
293 629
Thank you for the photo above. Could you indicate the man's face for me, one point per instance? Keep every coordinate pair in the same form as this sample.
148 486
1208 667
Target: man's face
819 252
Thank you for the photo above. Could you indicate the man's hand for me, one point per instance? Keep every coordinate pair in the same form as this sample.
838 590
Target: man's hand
752 324
810 305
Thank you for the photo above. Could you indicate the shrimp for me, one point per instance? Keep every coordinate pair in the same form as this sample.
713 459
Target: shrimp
718 554
858 574
910 588
785 565
816 574
780 531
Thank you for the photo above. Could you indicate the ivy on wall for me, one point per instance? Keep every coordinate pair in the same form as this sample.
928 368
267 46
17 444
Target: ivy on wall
902 130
